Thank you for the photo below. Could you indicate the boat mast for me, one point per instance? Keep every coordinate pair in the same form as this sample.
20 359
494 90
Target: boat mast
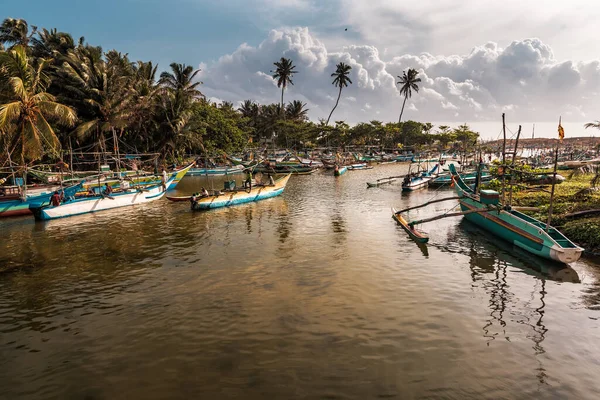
503 155
116 148
71 157
512 172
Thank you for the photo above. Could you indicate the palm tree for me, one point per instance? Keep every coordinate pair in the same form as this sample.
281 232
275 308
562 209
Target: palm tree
15 32
283 74
595 124
408 82
297 111
28 106
342 79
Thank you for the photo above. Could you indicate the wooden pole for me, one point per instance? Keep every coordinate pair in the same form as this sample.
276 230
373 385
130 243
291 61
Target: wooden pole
512 172
503 155
456 214
553 186
71 157
430 202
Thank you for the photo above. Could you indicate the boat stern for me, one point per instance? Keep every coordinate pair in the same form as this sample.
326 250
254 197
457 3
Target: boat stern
565 255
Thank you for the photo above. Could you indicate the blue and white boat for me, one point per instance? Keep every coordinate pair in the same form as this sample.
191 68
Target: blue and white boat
228 170
419 181
239 196
97 202
339 171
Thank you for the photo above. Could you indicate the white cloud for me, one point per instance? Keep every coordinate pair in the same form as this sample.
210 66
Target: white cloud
523 79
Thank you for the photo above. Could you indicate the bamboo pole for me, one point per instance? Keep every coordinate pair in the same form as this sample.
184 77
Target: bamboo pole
456 214
71 157
503 154
512 174
553 186
430 202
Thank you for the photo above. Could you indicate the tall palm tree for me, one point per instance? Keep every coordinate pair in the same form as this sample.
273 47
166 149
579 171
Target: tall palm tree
26 106
408 83
297 111
595 124
283 73
15 32
341 80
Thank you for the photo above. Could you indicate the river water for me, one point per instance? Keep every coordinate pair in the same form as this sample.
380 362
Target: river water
314 294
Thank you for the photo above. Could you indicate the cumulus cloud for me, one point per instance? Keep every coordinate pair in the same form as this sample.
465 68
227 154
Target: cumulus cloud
523 79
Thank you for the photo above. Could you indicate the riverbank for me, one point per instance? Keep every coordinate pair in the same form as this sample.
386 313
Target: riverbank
575 194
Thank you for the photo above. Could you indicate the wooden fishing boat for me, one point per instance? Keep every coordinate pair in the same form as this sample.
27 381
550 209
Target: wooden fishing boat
416 182
359 166
239 196
339 171
414 233
522 230
468 178
89 204
382 181
12 204
226 170
178 175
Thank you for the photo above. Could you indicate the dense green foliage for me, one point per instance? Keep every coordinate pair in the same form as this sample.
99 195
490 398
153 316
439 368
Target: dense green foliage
57 92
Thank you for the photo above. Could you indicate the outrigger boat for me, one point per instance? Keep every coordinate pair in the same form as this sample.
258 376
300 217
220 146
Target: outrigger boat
98 202
468 178
12 204
513 226
415 234
360 166
339 171
421 181
382 181
240 195
227 170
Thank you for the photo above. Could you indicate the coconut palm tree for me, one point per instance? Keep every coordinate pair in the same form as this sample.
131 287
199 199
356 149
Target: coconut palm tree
341 80
283 73
26 106
296 111
15 32
408 83
595 124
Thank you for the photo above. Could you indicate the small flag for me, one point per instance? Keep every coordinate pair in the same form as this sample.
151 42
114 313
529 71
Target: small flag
561 131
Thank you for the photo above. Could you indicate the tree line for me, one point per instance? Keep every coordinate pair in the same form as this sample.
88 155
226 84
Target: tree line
58 93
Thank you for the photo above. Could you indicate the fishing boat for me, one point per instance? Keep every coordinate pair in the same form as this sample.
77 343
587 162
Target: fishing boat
415 234
178 175
513 226
416 181
239 196
359 166
382 181
339 171
98 202
12 204
468 178
226 170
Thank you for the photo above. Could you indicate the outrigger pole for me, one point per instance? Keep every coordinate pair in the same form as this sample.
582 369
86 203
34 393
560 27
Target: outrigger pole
456 214
430 202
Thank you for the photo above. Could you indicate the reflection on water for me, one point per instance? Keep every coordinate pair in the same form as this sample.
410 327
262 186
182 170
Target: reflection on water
314 294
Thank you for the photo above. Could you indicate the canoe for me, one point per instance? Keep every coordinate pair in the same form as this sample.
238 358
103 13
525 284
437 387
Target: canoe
513 226
383 181
412 183
178 198
240 196
356 167
415 234
228 170
89 204
341 171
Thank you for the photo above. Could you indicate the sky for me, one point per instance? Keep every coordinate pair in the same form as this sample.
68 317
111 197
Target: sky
535 60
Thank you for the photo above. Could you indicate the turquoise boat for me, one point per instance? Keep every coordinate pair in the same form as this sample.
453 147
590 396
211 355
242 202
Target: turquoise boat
468 178
233 197
17 206
340 171
517 228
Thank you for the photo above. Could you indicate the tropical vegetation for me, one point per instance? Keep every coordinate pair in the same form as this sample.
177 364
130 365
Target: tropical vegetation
59 93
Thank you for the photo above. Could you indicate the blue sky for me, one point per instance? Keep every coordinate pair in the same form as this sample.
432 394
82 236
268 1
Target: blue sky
534 59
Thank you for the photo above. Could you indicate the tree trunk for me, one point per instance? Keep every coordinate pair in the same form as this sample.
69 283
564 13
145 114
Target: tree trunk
402 111
334 107
282 108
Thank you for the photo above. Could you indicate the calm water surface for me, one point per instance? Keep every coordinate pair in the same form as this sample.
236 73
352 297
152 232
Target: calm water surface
315 294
